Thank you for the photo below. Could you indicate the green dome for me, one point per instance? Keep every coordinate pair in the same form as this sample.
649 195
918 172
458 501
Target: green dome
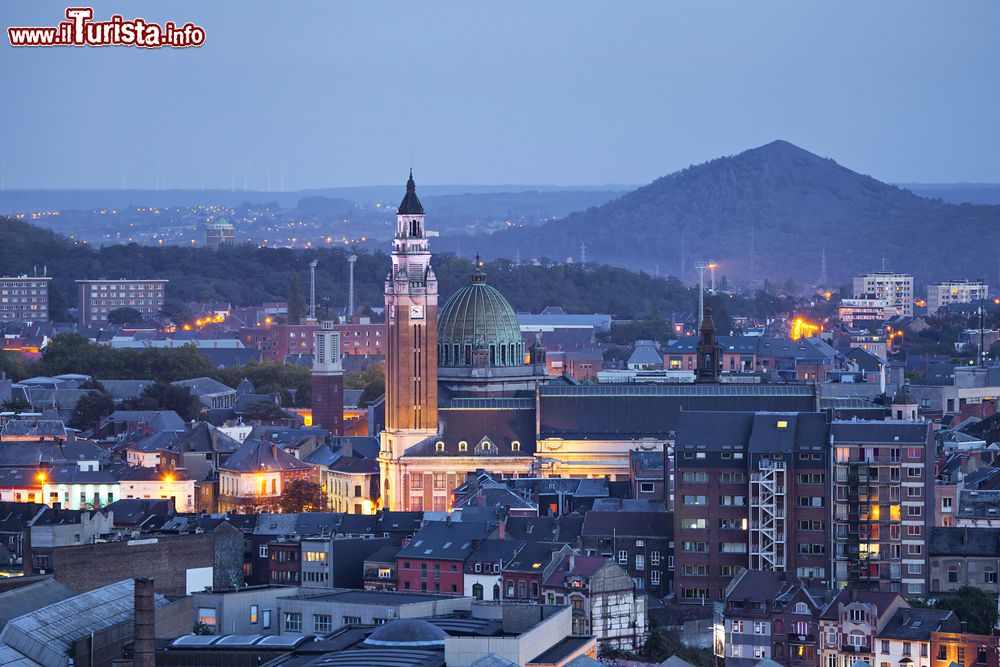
477 326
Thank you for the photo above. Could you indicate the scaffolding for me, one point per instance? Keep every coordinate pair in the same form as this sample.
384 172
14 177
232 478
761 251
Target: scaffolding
768 489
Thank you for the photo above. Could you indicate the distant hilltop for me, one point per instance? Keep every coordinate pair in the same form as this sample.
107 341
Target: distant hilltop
769 213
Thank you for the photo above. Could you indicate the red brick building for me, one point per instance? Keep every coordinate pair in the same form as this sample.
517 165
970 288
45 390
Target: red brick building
434 560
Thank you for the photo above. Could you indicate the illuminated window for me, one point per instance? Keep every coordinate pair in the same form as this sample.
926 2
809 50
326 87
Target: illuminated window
463 446
439 446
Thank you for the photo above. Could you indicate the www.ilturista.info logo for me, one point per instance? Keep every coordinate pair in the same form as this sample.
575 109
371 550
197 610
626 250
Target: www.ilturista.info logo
80 30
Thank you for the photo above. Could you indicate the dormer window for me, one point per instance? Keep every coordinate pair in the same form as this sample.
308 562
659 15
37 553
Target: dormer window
515 446
439 446
463 446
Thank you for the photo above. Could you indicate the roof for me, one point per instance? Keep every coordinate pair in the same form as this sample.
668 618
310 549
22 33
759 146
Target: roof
478 314
964 542
386 554
39 428
123 389
410 204
645 353
494 551
572 565
880 599
204 438
157 420
70 473
628 524
41 454
637 411
861 431
26 599
48 633
674 661
256 455
916 624
757 586
408 632
487 431
204 386
443 540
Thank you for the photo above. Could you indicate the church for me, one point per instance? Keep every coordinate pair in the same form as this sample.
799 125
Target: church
463 393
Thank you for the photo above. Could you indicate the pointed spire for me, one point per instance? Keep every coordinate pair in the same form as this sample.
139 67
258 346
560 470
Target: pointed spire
478 275
410 204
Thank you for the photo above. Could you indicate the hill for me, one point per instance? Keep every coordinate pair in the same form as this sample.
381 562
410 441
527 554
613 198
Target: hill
248 275
769 213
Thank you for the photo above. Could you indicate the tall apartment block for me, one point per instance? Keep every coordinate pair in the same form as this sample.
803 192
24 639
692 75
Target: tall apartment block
24 298
327 381
752 491
883 504
896 288
955 291
100 297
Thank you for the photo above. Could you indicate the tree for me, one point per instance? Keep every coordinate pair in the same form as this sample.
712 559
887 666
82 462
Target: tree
296 302
90 408
264 411
301 495
17 404
125 315
165 396
176 312
371 381
974 606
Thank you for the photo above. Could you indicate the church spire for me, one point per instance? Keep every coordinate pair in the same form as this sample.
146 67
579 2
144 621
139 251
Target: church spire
410 204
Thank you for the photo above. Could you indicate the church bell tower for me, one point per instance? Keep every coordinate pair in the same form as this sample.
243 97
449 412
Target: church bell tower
411 294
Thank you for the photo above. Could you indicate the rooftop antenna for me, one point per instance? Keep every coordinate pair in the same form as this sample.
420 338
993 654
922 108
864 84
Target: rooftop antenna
350 286
312 289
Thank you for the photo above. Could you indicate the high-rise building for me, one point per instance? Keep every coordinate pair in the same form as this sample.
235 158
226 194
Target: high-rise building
954 291
327 381
100 297
895 288
24 298
411 381
219 232
883 504
751 490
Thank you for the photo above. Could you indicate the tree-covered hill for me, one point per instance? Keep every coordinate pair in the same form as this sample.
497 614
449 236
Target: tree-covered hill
779 207
248 275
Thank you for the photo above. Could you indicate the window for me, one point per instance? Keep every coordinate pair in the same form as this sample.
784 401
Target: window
654 577
733 548
801 628
206 616
981 654
622 557
253 614
758 652
946 504
322 623
694 477
857 615
801 608
695 500
810 501
293 621
640 562
737 626
906 648
266 619
352 620
263 551
942 652
438 446
759 628
694 524
732 501
961 656
463 446
654 558
695 547
856 639
990 577
645 487
515 446
885 646
736 650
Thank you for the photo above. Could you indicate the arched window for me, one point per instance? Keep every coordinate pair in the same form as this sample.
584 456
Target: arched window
515 446
477 591
801 608
463 446
496 591
439 446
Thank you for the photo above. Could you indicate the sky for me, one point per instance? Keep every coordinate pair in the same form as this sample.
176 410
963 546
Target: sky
565 92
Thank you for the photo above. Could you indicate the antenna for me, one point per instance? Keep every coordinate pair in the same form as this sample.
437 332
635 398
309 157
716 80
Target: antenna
312 289
822 268
583 252
701 266
350 286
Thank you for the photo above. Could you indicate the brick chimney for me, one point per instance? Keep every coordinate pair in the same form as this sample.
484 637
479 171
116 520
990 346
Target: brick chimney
144 629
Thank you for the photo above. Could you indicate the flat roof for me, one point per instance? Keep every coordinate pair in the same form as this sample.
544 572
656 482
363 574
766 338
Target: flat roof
562 650
372 597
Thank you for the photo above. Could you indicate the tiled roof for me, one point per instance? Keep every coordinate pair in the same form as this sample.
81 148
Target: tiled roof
260 455
440 540
628 524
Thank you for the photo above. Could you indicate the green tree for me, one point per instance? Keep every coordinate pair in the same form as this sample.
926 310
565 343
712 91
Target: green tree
974 606
165 396
296 301
90 408
265 412
301 495
17 404
371 381
125 315
176 312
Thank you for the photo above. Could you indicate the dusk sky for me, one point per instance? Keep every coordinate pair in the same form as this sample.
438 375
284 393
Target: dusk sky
553 92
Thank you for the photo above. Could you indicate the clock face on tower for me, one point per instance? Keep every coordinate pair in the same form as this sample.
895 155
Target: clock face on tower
416 312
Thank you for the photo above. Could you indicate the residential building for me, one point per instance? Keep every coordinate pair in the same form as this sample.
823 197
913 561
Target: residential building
906 638
640 542
140 482
433 561
947 292
850 622
212 393
961 648
100 297
336 561
964 557
351 484
328 382
751 489
380 569
883 504
256 475
769 616
219 232
897 288
483 577
852 312
24 298
78 489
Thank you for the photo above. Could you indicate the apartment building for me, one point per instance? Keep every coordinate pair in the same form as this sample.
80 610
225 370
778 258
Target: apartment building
24 298
896 288
752 490
100 297
947 292
883 504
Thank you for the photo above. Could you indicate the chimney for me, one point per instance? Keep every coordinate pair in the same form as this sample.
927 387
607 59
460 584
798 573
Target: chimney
502 528
144 631
274 451
347 448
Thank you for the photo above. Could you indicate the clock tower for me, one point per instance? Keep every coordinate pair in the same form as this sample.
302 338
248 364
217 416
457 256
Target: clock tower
411 376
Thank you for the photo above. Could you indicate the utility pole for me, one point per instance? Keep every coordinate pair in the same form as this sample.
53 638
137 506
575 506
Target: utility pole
701 266
350 287
312 290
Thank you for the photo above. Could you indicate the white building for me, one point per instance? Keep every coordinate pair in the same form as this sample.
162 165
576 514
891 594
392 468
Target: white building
896 288
947 292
